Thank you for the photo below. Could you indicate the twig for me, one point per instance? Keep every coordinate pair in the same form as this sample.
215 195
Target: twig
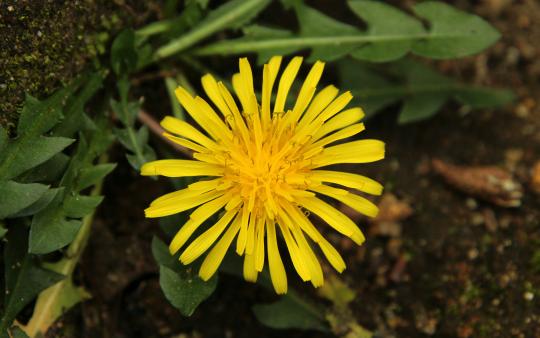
152 76
155 128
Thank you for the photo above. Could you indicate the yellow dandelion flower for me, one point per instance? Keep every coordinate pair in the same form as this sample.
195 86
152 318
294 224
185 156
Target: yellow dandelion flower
263 165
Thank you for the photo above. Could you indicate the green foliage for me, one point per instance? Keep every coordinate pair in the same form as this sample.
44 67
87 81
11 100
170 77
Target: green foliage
422 90
57 225
37 179
390 35
24 277
232 14
290 313
16 332
30 148
15 197
136 141
181 285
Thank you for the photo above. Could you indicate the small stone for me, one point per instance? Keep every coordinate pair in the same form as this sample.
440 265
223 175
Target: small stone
10 9
471 203
477 219
528 296
472 254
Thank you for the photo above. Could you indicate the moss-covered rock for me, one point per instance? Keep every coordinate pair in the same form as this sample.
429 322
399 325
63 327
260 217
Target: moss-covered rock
44 44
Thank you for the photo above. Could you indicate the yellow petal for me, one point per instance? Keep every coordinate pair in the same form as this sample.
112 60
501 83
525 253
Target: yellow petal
362 151
333 217
204 241
173 206
215 256
335 107
299 263
341 120
338 135
242 237
329 251
270 72
317 278
180 168
250 273
321 101
211 88
258 251
356 202
186 130
196 218
277 270
355 181
185 143
285 83
308 90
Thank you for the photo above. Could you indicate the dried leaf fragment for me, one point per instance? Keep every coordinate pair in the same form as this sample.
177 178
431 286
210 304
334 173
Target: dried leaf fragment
489 183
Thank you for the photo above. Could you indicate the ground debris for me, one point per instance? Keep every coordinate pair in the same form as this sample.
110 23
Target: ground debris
391 211
535 177
489 183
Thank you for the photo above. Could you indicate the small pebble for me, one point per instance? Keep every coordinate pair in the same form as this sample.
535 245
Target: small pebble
471 203
528 296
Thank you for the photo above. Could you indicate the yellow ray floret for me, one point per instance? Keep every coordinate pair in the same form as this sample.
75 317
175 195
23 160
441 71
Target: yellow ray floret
263 169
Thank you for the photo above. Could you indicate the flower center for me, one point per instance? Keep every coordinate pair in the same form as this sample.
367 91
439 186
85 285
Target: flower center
265 172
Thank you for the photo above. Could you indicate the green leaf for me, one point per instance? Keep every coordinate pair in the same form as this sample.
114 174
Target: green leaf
38 117
50 230
91 175
232 14
133 140
3 138
290 314
3 231
453 33
16 332
53 228
23 154
24 278
74 117
123 53
256 32
390 35
481 97
180 284
395 22
40 204
421 107
56 300
161 254
15 197
314 24
422 89
79 206
49 171
185 291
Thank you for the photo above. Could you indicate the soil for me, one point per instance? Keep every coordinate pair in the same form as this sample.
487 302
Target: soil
457 267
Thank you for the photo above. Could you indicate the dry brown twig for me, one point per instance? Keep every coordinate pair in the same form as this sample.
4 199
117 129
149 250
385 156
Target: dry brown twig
156 128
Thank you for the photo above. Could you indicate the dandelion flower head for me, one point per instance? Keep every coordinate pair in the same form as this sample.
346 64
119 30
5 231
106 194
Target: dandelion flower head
264 168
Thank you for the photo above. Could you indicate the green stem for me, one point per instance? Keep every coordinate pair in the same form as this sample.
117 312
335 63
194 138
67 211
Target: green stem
156 27
243 46
205 29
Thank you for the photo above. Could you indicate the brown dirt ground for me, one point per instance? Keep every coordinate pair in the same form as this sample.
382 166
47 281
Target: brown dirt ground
452 271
